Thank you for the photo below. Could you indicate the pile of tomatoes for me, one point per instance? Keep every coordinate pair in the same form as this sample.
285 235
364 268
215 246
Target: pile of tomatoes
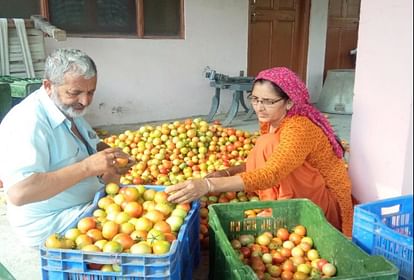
283 255
128 219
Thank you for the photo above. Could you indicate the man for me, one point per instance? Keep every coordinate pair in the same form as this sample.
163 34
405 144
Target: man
52 161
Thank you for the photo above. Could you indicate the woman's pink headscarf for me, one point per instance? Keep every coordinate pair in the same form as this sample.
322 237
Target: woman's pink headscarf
290 83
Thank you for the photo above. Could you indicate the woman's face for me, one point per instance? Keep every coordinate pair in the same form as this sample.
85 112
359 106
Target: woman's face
268 104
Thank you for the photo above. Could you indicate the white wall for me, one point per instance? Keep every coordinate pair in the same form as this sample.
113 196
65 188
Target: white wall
142 80
381 130
318 25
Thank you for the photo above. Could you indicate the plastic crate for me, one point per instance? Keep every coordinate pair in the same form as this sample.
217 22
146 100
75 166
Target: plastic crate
5 99
227 221
5 274
385 228
178 263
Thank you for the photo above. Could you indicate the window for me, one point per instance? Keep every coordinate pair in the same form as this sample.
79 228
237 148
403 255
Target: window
121 18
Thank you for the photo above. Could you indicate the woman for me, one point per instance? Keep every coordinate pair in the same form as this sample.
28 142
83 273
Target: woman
296 156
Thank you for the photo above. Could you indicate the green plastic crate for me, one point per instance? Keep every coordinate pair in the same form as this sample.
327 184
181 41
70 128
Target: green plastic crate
5 274
5 99
22 88
226 221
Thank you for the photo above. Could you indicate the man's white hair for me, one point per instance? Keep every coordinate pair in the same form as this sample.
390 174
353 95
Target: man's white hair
62 61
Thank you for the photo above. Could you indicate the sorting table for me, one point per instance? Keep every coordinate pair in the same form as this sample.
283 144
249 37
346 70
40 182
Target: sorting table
238 87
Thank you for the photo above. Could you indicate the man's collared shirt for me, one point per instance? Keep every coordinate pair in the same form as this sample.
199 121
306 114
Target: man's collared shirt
35 138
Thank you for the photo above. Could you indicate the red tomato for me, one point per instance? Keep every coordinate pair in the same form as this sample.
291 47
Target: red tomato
86 224
283 234
133 208
124 239
300 230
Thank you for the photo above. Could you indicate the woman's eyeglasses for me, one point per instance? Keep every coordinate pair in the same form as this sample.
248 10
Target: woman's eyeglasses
266 102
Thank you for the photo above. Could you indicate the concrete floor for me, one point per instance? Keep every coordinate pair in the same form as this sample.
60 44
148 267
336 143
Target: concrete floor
24 263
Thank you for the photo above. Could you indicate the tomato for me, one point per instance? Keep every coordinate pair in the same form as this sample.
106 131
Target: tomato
83 240
162 226
312 254
160 247
154 216
179 212
124 239
72 233
127 228
328 269
122 217
143 223
131 194
295 238
121 162
133 208
105 201
68 244
149 194
112 188
300 230
286 275
141 248
107 268
175 222
299 275
283 234
53 241
288 266
321 263
91 248
139 235
94 266
100 243
263 239
267 258
161 197
170 236
86 224
110 229
305 268
154 235
112 247
95 234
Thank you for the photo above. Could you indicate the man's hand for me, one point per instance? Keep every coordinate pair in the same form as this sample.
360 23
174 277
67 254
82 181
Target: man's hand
123 162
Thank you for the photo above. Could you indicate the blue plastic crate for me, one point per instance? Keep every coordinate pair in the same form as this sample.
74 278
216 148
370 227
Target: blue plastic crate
178 263
385 228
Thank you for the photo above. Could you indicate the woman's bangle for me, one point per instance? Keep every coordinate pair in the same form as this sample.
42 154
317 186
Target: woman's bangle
208 185
227 172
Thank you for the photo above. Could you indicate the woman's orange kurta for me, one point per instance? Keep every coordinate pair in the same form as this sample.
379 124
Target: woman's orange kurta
297 161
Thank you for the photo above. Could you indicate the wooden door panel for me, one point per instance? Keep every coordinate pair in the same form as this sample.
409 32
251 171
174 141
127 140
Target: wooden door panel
285 41
261 48
342 34
278 31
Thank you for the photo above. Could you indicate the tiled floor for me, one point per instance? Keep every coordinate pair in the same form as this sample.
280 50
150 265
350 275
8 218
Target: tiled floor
24 263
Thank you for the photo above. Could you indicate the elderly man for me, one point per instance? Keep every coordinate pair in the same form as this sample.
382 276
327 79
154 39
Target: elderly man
52 161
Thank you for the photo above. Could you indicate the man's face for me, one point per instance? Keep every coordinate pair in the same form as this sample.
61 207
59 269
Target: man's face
74 95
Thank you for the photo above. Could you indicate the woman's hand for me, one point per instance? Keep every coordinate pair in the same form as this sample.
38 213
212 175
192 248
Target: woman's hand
219 173
188 191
